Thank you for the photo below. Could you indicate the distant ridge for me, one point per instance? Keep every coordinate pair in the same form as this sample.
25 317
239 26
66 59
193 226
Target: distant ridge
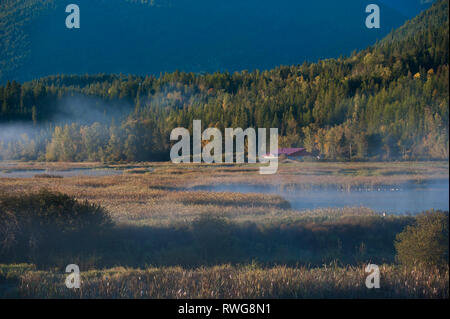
150 37
409 8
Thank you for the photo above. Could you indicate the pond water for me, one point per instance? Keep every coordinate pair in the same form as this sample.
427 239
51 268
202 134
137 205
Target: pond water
63 173
411 198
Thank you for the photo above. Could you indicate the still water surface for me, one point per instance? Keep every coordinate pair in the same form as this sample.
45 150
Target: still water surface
412 198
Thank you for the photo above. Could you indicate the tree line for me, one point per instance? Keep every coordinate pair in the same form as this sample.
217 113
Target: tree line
389 101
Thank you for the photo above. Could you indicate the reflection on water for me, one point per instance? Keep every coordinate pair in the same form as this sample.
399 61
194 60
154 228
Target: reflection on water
411 198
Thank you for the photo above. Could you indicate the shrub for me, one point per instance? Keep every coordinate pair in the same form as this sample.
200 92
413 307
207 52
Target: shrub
426 242
43 221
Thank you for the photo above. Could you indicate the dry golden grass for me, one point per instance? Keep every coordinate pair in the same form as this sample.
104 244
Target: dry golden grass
233 282
162 193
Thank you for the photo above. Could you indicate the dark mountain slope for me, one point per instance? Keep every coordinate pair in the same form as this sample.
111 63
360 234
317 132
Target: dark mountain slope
197 35
409 8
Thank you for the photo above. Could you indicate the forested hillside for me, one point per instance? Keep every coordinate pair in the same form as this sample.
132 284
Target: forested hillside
151 36
410 8
389 101
14 43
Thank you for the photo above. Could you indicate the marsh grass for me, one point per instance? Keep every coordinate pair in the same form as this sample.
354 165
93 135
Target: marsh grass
48 235
167 194
169 237
226 281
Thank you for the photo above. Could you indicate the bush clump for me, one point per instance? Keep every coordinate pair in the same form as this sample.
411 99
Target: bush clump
47 221
426 242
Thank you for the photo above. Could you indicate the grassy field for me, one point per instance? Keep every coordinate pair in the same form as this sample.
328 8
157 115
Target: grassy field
171 239
163 194
227 281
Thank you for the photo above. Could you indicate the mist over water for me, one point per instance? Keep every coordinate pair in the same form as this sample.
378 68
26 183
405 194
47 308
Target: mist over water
410 198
